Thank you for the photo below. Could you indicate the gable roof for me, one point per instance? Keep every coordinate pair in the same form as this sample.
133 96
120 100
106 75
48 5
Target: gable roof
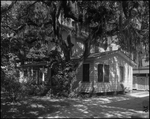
119 52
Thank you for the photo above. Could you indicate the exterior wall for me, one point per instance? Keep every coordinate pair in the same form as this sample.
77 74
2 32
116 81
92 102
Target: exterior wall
141 78
114 61
141 83
80 86
87 87
129 77
114 76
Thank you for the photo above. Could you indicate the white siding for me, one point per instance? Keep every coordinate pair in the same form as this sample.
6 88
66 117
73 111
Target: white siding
87 87
84 86
114 76
114 61
141 83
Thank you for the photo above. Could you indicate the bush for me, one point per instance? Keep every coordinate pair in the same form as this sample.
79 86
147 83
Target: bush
60 86
15 89
31 88
12 88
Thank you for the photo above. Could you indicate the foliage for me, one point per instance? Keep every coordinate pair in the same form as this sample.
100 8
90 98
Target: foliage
11 85
98 18
28 26
31 89
25 41
13 89
60 85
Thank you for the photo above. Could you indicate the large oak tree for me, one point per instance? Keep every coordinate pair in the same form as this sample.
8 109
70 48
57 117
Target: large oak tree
29 24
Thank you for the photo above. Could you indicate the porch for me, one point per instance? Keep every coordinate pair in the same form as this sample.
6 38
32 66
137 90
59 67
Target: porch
35 72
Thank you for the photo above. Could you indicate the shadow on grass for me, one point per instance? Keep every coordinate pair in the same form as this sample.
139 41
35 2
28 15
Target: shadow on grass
106 107
30 107
131 103
101 107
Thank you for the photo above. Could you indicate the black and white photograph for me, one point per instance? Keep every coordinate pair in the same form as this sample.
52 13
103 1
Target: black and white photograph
75 59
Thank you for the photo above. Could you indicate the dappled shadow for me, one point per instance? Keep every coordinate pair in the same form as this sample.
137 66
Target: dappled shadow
119 106
103 107
128 104
31 107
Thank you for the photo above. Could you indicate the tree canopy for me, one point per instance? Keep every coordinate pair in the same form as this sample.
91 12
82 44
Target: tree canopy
27 27
28 24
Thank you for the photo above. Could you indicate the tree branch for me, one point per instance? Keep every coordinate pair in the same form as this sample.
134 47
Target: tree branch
3 11
17 29
68 11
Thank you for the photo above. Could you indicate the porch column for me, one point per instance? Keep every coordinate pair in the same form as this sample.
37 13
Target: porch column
32 73
37 76
43 74
21 78
28 72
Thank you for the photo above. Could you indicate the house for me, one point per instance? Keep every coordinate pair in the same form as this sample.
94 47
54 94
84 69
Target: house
33 71
107 69
101 72
105 72
141 76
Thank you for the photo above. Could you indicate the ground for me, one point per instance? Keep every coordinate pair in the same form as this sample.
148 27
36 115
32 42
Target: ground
119 106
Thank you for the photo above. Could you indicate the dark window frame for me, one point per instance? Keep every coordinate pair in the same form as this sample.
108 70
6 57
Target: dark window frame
121 70
85 77
102 76
106 75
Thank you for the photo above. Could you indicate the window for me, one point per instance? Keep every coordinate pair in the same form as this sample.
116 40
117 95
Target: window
121 73
100 72
106 73
103 73
86 72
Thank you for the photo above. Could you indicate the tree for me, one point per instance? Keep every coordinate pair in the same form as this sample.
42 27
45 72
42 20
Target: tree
128 20
25 41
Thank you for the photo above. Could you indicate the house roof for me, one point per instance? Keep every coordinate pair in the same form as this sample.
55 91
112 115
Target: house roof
121 53
35 64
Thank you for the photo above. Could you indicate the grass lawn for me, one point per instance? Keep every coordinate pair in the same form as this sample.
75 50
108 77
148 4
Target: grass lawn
120 106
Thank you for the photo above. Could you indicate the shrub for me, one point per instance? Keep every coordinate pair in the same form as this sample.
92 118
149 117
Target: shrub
12 88
60 85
